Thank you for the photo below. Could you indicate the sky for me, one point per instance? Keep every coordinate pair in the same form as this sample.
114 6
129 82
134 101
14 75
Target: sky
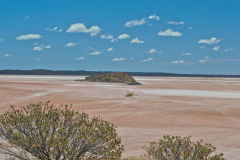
176 36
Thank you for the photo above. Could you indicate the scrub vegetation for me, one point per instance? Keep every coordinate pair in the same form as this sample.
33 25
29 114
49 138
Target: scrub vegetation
44 131
47 132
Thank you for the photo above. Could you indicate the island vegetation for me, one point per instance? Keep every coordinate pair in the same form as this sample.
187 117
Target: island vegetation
115 77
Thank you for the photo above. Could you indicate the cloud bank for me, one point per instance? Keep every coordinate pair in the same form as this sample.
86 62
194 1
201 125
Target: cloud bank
154 17
135 23
210 41
81 28
123 36
28 37
136 40
118 59
170 33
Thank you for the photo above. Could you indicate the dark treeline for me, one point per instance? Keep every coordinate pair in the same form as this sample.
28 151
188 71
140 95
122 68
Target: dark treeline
82 72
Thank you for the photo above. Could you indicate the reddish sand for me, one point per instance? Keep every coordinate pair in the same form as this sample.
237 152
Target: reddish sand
204 108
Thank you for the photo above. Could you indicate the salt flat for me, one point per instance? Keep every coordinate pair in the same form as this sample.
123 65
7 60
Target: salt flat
204 108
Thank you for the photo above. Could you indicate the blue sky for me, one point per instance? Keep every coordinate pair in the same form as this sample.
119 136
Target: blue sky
178 36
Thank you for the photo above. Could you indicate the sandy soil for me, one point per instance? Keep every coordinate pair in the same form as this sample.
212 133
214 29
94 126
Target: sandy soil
204 108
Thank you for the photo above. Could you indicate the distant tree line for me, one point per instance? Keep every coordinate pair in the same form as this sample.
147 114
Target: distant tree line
84 73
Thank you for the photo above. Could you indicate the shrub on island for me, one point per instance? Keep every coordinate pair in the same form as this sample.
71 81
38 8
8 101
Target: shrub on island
115 77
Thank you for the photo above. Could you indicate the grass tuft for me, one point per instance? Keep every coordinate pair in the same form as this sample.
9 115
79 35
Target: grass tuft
130 94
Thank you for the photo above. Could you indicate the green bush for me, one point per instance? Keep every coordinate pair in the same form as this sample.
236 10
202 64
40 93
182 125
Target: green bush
178 148
130 94
46 132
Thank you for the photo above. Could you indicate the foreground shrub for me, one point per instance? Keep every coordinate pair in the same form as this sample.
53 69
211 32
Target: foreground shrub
46 132
177 148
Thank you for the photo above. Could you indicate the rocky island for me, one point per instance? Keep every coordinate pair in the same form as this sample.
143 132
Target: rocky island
115 77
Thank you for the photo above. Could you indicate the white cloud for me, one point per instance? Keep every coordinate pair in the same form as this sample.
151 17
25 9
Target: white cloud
135 23
202 61
81 28
79 58
41 47
136 40
110 49
7 55
95 53
110 37
48 47
153 50
52 29
70 44
216 48
123 36
147 60
37 48
228 50
107 36
56 29
154 17
178 62
118 59
175 23
210 41
170 33
29 37
187 54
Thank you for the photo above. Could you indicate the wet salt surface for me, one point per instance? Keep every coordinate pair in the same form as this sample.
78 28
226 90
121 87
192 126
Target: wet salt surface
224 80
167 92
92 84
42 77
141 79
34 95
193 93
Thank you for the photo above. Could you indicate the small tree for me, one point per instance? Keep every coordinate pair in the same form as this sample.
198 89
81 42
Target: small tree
177 148
46 132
